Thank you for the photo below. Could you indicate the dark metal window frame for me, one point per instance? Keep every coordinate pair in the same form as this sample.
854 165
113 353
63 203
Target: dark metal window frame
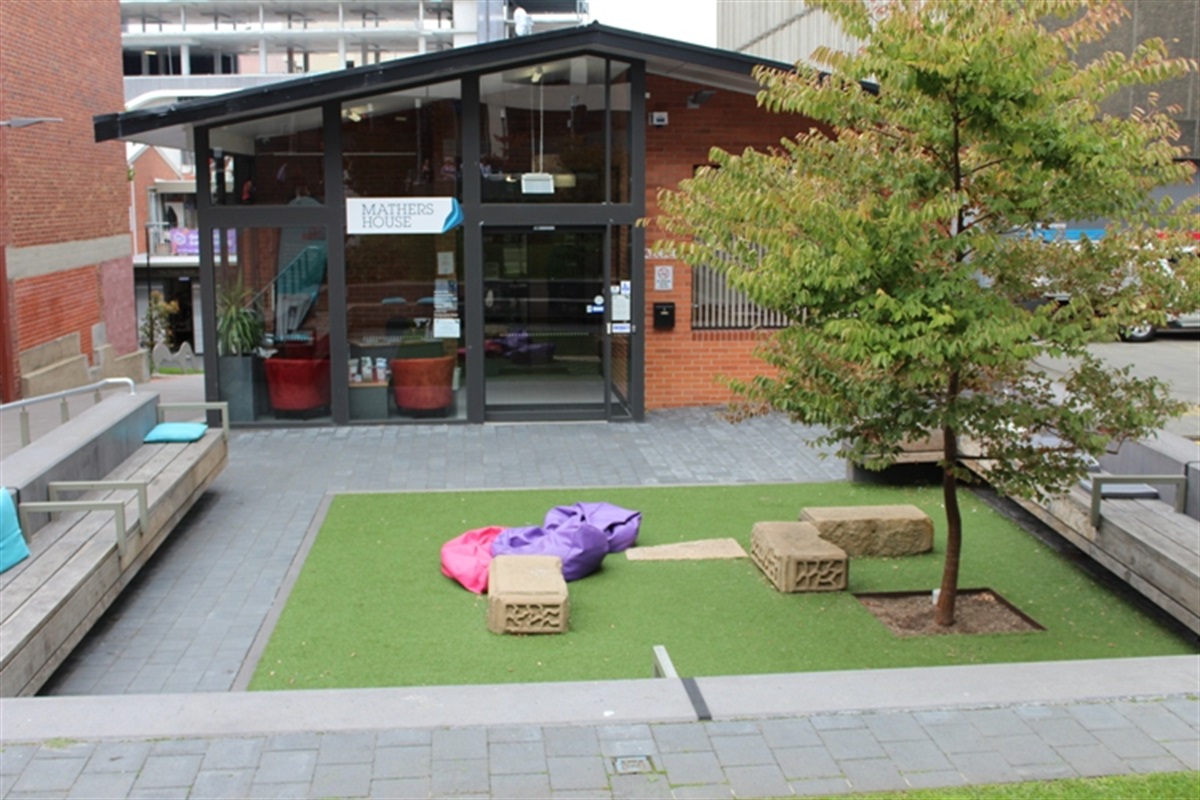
331 216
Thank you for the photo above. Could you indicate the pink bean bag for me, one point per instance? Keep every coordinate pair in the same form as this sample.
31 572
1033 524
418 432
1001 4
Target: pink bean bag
466 557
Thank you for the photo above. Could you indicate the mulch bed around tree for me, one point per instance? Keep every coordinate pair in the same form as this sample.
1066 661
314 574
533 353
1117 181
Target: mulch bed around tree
975 611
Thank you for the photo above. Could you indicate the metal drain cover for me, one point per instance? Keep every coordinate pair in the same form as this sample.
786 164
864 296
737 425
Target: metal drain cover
632 765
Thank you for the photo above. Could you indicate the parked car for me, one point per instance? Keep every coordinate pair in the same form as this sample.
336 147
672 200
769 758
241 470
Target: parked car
1175 322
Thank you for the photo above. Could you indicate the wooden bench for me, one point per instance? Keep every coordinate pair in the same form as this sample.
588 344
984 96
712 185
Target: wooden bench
1147 543
86 549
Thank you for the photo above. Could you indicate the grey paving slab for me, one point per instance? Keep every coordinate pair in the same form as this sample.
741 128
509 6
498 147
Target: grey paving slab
165 771
460 777
740 751
873 775
692 768
222 784
806 763
407 762
718 791
640 787
911 755
101 785
680 737
514 758
341 780
402 788
898 727
819 786
577 772
529 786
851 744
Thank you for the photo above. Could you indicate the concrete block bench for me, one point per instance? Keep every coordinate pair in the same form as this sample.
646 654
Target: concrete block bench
95 504
795 558
527 594
900 530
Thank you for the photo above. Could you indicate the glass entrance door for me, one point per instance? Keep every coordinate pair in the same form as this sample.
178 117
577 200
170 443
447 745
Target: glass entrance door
544 323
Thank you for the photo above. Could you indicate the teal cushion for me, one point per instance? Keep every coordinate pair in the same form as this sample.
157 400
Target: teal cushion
175 432
13 549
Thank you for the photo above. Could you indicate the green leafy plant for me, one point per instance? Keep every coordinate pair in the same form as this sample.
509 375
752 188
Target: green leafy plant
155 327
239 325
898 233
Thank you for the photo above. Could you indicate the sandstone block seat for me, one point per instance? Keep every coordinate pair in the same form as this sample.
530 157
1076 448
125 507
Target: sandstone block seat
899 530
795 558
527 594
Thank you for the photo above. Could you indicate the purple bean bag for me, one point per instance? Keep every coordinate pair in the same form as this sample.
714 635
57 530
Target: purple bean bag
580 546
620 525
581 535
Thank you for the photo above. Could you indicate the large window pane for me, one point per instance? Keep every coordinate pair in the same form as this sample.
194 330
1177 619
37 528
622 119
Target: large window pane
542 133
404 144
268 161
619 98
404 326
272 322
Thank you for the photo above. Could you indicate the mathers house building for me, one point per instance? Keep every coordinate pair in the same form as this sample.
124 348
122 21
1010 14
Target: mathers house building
453 236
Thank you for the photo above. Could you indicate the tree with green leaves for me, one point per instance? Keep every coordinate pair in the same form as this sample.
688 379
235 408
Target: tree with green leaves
899 232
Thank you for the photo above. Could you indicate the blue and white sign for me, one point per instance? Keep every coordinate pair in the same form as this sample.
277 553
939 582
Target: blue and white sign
368 215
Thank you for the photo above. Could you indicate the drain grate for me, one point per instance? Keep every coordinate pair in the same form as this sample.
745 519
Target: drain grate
632 765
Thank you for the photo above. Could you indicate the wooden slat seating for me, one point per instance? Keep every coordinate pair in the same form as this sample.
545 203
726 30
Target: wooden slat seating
80 559
1146 542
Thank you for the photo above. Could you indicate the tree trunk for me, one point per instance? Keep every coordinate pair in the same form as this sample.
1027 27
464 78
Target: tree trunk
948 594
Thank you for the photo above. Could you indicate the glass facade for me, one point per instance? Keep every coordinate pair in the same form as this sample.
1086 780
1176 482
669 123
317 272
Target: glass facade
272 331
404 144
544 133
360 273
268 161
404 326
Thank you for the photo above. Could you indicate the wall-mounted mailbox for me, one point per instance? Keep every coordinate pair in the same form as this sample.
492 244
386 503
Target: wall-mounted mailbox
664 316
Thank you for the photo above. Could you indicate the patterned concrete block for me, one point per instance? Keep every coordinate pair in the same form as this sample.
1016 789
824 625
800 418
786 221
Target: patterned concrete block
527 594
795 558
873 530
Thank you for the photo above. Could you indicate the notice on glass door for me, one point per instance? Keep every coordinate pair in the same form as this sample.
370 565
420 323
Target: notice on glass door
620 308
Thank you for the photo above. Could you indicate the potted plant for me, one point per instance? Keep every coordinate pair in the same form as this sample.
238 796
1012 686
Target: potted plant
239 369
239 325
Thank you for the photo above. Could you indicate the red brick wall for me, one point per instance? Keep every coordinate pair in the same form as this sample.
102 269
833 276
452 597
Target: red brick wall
50 306
60 186
149 167
686 367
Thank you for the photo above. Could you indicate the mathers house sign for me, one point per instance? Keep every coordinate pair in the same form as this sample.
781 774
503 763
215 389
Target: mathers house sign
367 215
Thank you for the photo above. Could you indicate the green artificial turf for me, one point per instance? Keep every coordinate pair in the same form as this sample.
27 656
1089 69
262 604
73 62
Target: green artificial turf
371 607
1155 786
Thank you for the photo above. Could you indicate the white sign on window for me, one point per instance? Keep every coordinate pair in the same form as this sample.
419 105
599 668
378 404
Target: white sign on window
367 215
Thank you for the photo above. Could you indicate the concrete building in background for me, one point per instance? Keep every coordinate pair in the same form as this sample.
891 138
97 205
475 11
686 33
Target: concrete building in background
66 276
789 31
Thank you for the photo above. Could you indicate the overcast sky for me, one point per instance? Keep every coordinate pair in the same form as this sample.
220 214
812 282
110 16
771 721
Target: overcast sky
687 20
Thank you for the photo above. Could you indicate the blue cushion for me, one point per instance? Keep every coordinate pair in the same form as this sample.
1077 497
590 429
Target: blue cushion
12 544
176 432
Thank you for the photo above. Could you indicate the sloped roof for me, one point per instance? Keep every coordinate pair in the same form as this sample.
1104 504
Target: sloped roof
168 125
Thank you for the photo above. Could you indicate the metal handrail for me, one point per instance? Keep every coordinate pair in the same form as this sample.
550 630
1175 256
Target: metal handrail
64 408
1100 481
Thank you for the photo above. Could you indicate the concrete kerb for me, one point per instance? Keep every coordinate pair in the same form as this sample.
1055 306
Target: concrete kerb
595 702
